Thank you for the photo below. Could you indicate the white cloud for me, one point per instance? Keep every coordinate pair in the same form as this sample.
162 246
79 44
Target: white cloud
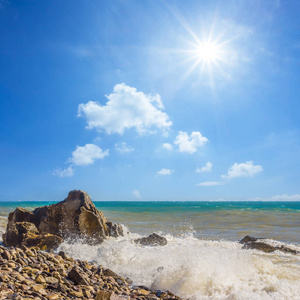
136 194
168 146
126 108
188 143
123 147
210 183
87 154
165 172
67 172
206 168
283 197
246 169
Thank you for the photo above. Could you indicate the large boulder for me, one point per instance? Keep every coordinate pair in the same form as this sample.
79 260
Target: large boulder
47 226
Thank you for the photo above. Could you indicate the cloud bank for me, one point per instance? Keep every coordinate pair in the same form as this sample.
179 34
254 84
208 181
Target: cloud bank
126 108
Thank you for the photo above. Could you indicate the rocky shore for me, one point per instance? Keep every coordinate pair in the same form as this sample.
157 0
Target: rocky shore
35 274
29 268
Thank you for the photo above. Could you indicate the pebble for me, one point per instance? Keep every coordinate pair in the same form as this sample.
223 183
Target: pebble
38 275
40 279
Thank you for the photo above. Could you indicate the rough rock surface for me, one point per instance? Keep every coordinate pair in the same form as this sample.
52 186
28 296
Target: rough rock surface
152 240
47 226
260 244
34 274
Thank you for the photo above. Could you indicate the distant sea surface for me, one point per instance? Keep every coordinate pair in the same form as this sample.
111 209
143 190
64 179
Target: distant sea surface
203 259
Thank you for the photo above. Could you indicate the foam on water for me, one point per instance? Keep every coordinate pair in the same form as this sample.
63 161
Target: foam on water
197 269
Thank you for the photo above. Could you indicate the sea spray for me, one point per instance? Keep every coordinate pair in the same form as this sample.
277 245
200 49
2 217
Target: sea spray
198 269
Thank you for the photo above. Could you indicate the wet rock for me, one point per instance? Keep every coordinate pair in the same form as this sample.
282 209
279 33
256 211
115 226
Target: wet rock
152 240
115 230
259 246
248 239
262 245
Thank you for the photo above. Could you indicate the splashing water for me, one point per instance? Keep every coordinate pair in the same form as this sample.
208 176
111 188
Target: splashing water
197 269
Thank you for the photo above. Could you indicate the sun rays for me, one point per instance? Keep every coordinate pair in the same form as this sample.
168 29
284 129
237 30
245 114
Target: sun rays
208 52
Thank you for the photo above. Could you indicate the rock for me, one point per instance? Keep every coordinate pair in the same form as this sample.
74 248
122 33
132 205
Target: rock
152 240
103 295
77 294
92 226
77 277
52 296
248 239
287 250
40 279
43 241
115 230
21 215
18 231
47 226
38 287
6 255
74 217
62 254
51 280
259 244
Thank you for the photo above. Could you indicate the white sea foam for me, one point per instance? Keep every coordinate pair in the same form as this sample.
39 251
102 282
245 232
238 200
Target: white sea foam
197 269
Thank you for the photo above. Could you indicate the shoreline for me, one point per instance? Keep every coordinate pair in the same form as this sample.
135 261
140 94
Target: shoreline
188 264
36 274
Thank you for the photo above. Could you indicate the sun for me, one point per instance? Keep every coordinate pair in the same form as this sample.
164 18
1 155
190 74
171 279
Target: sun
207 55
208 52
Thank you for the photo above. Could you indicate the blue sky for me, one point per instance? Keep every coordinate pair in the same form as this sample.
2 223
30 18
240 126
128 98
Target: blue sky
150 100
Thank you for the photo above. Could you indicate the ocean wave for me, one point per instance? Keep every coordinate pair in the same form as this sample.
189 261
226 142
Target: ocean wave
197 269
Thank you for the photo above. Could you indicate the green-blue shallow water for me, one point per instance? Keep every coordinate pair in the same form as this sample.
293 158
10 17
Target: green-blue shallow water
206 220
165 206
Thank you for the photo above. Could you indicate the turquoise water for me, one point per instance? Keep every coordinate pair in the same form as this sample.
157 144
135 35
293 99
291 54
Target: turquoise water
166 206
206 220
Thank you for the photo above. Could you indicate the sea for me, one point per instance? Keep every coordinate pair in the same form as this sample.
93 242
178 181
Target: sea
203 258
